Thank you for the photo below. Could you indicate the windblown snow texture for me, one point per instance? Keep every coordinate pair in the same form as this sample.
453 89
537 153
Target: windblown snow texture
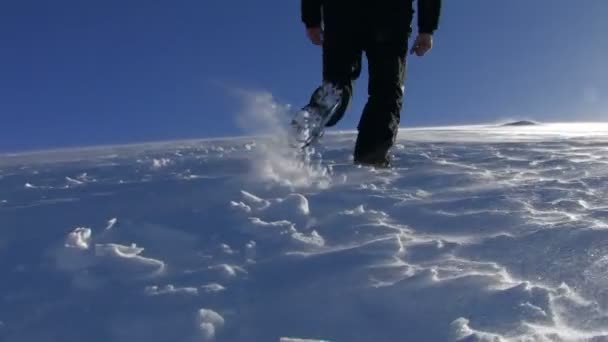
476 234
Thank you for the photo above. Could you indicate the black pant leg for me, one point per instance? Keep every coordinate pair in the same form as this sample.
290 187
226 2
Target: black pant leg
341 67
379 124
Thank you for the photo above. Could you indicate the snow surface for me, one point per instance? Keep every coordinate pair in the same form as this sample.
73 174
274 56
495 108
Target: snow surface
479 233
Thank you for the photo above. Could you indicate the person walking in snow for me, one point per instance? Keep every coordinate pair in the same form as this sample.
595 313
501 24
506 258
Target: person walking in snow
380 28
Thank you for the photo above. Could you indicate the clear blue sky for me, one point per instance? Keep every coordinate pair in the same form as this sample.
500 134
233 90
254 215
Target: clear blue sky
102 72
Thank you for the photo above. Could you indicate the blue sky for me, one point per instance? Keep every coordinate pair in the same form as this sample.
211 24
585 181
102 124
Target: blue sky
78 73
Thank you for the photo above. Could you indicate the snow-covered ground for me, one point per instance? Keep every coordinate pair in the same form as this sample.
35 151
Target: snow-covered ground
480 233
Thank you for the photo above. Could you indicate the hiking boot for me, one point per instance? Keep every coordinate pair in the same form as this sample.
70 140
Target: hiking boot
382 162
309 123
371 152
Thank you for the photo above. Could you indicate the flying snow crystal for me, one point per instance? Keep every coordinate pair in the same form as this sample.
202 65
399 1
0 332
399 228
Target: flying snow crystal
274 160
111 223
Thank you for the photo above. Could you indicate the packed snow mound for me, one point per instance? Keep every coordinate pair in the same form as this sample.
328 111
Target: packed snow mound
81 253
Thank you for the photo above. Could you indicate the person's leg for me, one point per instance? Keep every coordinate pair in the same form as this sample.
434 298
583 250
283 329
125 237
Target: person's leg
385 43
329 102
341 67
379 123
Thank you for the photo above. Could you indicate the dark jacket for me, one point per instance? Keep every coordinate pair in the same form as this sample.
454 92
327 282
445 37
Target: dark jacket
316 11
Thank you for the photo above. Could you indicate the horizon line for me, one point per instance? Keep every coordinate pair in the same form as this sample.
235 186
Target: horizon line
501 124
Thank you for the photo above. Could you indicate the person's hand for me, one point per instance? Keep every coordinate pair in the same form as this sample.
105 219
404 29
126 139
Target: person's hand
422 44
315 34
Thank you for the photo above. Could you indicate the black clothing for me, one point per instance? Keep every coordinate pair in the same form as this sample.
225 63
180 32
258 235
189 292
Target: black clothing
381 29
315 11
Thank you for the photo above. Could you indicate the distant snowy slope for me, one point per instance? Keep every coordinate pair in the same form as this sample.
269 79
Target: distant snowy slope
478 233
